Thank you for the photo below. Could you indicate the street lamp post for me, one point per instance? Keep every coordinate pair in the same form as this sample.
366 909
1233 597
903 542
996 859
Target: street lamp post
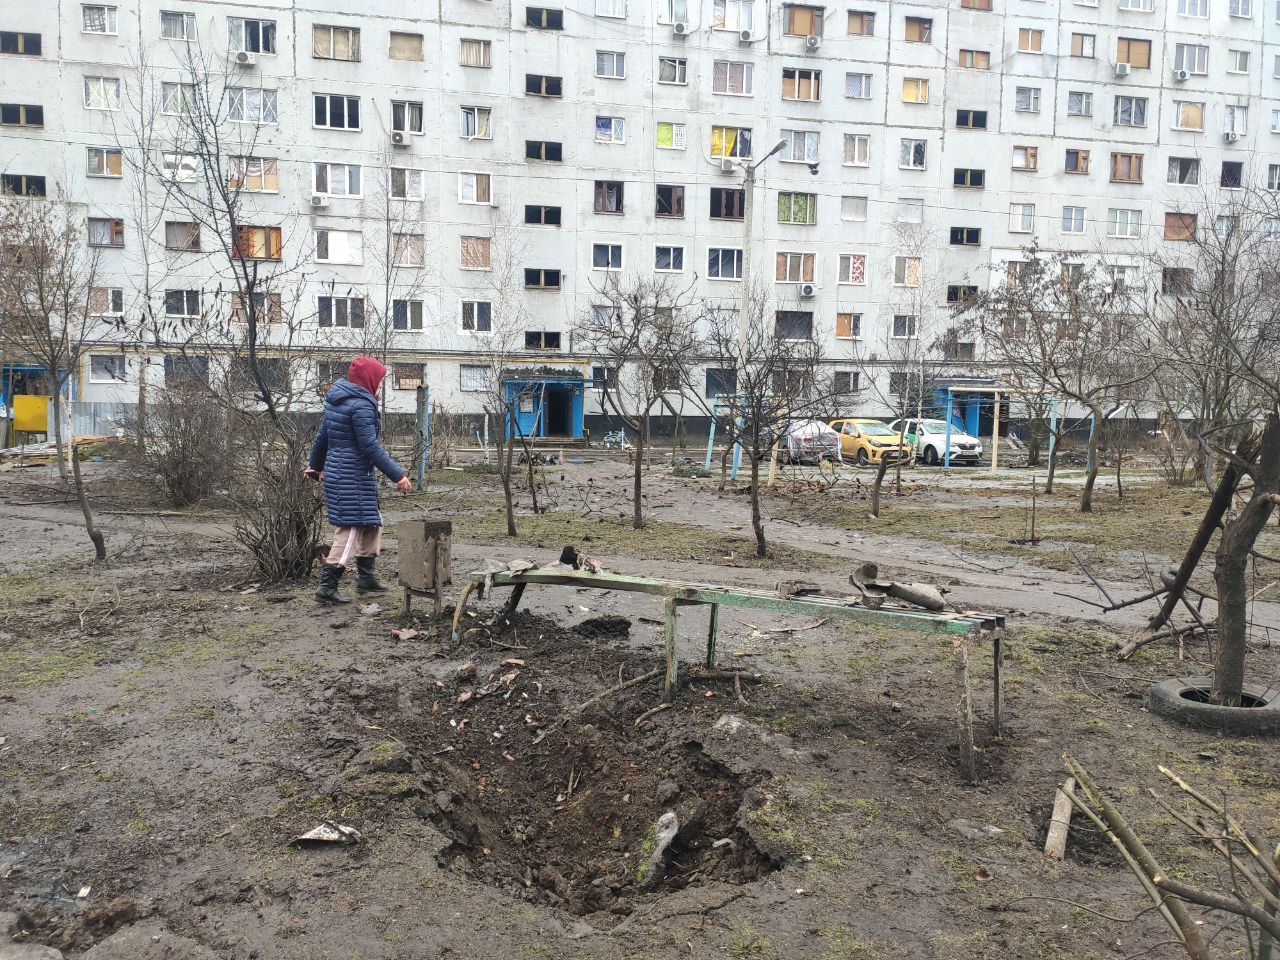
748 191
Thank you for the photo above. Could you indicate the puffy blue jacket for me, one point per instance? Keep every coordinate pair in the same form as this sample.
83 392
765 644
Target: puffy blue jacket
347 449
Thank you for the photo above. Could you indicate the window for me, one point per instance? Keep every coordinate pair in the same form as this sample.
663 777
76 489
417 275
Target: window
1180 226
101 93
541 216
1022 217
798 208
611 8
608 196
798 84
862 23
405 46
670 136
1124 276
669 202
1273 176
177 26
105 162
668 259
406 116
1176 281
801 20
1224 225
1131 111
961 293
910 210
1192 57
733 15
476 53
610 65
918 30
476 122
971 119
335 43
1083 45
965 236
1184 170
1126 224
853 269
336 111
673 70
250 105
105 232
1240 8
1275 121
853 208
542 18
543 150
848 326
975 4
106 300
610 130
182 303
1077 161
802 146
844 381
251 36
252 174
1026 158
726 203
476 253
975 59
857 86
969 177
267 307
731 78
907 271
475 188
911 154
724 263
339 246
1079 103
1188 115
106 367
1027 99
1232 175
539 85
477 316
1126 168
857 149
474 377
406 314
341 312
1142 6
720 381
1135 52
406 184
1235 119
794 268
26 44
904 325
181 235
541 340
177 98
1237 61
23 185
96 18
1073 219
1029 40
793 324
337 179
21 115
258 243
407 249
731 142
406 376
915 90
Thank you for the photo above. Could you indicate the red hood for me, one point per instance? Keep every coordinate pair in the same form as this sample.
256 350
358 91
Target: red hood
366 372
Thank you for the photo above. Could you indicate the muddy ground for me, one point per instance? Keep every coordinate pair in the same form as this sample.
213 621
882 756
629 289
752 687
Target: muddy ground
169 725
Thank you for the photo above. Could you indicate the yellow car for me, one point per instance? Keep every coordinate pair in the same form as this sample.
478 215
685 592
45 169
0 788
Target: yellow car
870 441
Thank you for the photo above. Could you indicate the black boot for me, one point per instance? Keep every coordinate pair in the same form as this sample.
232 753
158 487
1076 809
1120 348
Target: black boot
327 592
366 582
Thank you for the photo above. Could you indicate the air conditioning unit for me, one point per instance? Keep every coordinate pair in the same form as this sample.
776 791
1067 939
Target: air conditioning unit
399 139
1181 76
246 59
1230 136
727 165
319 202
808 291
812 42
680 28
1122 69
745 37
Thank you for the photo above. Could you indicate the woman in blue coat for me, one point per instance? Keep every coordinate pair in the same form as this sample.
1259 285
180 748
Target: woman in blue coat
344 455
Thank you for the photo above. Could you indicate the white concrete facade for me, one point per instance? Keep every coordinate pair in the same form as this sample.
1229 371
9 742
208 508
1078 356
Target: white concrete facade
1029 45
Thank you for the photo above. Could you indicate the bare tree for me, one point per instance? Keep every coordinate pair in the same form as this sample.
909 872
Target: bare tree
47 277
641 335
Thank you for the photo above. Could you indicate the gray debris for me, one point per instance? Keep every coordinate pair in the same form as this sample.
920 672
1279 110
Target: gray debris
650 873
149 941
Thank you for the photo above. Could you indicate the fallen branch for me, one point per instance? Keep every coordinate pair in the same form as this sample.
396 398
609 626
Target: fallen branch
1133 646
653 712
1055 843
616 688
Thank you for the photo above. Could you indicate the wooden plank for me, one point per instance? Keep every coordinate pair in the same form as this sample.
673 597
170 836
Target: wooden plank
669 608
997 683
964 708
1055 844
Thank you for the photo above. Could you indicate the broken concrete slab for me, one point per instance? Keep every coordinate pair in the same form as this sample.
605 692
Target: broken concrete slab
148 941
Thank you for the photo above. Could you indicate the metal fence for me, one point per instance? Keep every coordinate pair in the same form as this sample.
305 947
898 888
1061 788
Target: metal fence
100 419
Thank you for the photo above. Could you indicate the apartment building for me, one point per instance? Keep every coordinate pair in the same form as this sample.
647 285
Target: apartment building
925 144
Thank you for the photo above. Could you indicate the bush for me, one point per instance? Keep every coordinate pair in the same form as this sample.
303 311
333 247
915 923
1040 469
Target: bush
185 452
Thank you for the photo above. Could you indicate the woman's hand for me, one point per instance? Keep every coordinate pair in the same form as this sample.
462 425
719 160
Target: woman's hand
403 485
313 474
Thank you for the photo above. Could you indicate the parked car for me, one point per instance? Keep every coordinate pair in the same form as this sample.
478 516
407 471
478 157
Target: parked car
808 441
929 441
870 441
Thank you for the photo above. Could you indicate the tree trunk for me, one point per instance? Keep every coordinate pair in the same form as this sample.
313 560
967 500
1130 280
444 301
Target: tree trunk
757 523
1035 441
504 450
99 542
1231 572
724 470
59 442
875 487
141 432
1091 475
638 510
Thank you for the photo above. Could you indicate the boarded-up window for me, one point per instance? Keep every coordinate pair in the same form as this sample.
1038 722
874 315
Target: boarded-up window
268 308
1180 226
335 43
408 376
405 46
407 249
1136 53
476 253
848 326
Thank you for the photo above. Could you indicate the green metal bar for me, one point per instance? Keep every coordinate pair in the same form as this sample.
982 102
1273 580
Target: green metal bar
712 628
669 608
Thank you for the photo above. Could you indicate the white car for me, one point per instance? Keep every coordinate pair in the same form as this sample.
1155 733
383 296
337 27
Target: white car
929 440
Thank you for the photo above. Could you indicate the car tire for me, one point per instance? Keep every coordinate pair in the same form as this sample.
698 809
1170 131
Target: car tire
863 461
931 456
1169 699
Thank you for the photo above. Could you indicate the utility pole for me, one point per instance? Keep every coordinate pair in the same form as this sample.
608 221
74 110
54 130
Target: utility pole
748 205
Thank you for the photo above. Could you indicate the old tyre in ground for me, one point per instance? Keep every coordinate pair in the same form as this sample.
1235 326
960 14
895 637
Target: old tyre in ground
1186 700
